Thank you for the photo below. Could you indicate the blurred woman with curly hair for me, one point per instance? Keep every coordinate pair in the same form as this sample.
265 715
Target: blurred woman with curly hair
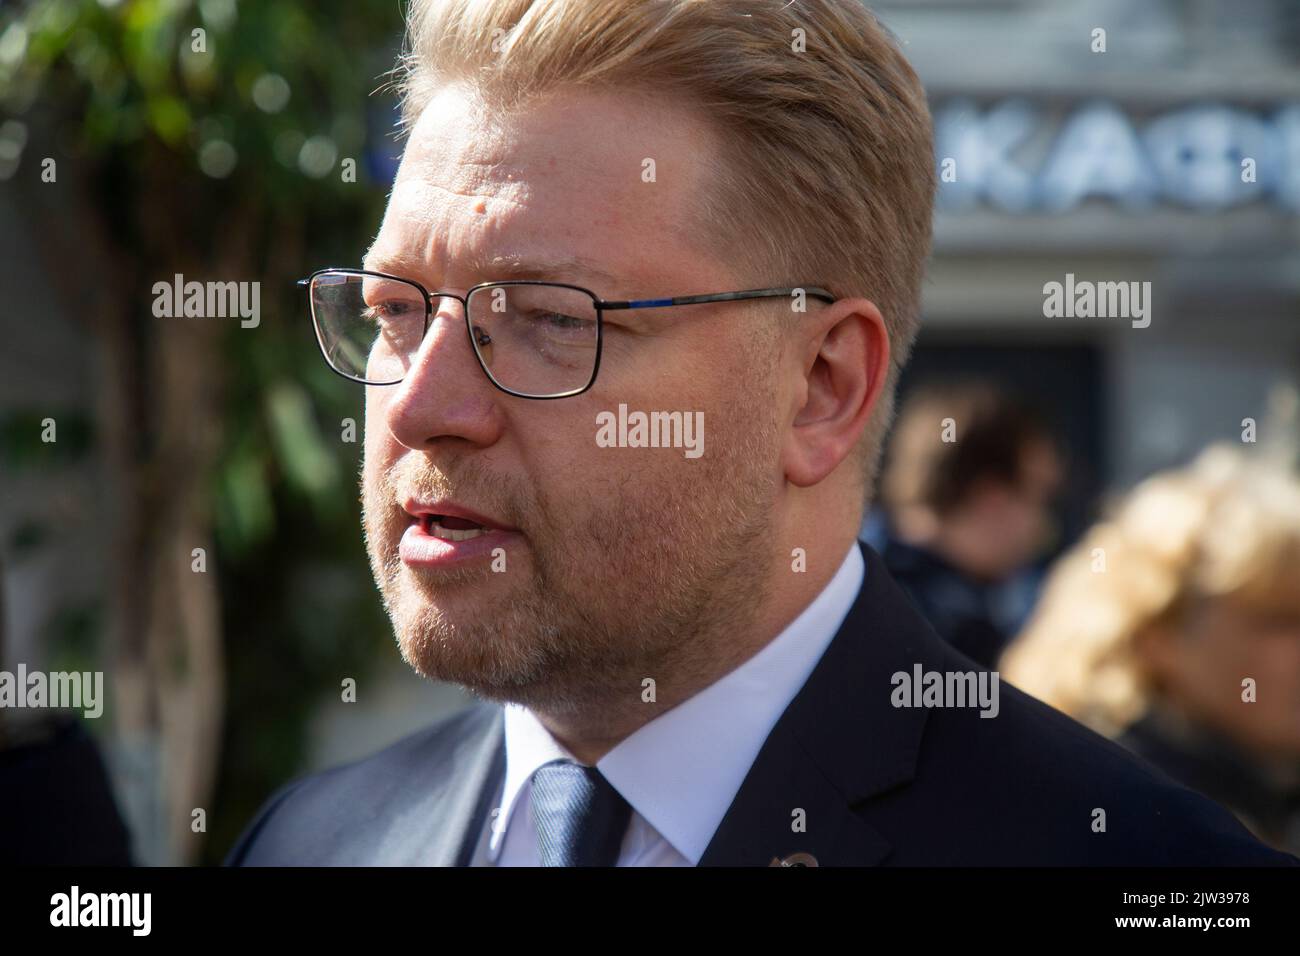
1174 627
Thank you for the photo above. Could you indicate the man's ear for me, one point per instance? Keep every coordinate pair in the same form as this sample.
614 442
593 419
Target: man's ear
845 364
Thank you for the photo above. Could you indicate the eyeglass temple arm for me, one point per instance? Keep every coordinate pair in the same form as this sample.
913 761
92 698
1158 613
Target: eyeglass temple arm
307 281
815 292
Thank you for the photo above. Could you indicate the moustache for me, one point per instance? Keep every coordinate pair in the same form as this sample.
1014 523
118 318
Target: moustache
414 478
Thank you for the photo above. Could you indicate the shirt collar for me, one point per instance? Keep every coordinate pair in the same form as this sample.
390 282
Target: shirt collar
529 745
682 770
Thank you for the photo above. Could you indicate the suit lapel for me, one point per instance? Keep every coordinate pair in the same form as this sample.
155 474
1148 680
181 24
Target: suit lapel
477 767
784 784
839 743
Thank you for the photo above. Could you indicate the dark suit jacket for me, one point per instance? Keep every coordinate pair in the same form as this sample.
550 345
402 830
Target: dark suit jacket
56 801
879 784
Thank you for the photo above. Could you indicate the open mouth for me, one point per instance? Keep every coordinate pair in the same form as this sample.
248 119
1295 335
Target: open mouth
451 528
436 539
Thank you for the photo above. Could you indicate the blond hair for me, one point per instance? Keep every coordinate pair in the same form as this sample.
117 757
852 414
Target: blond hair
827 170
1226 527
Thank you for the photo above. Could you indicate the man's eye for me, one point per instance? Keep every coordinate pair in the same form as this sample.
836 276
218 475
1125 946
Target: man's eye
388 311
566 323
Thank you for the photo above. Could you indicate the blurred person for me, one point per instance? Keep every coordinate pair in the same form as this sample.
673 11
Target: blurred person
970 475
678 655
57 806
1174 626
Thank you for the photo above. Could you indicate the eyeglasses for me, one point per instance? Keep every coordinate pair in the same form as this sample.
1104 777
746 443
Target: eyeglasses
532 339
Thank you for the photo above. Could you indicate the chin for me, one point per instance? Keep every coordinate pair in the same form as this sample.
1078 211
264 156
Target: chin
444 651
438 585
481 660
454 633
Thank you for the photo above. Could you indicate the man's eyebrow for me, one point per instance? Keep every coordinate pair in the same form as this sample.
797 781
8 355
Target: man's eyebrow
523 267
573 269
398 265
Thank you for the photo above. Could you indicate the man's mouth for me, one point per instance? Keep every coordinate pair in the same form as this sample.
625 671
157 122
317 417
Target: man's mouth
451 528
442 533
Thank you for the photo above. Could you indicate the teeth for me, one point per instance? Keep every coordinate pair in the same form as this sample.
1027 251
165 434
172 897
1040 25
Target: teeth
453 534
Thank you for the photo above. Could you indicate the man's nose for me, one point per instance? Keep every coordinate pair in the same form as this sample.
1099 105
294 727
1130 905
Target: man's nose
444 394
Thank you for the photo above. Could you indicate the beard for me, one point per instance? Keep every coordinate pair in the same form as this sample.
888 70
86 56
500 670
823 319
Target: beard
647 574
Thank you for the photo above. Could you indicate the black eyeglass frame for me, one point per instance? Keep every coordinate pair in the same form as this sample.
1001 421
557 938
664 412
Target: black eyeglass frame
599 304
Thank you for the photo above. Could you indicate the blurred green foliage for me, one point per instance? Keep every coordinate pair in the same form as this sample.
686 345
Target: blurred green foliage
23 443
228 146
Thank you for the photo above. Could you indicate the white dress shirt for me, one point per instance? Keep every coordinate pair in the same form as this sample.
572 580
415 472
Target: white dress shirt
680 771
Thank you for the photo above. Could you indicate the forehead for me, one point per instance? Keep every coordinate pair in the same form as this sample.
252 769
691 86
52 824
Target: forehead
607 186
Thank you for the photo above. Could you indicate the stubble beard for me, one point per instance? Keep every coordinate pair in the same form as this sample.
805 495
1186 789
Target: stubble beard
651 583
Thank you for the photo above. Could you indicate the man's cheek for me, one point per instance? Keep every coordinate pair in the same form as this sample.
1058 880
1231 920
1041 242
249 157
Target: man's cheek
377 443
374 422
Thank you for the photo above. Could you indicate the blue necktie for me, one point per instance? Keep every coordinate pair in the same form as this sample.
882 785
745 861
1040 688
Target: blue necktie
580 818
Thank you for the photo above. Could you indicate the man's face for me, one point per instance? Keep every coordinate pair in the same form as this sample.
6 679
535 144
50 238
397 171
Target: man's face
601 562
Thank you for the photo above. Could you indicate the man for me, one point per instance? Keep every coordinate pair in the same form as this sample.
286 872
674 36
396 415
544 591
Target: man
970 474
697 661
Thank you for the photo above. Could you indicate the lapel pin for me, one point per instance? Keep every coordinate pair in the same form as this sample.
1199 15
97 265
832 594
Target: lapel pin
795 859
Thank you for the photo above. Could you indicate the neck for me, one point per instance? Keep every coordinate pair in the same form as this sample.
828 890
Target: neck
726 639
